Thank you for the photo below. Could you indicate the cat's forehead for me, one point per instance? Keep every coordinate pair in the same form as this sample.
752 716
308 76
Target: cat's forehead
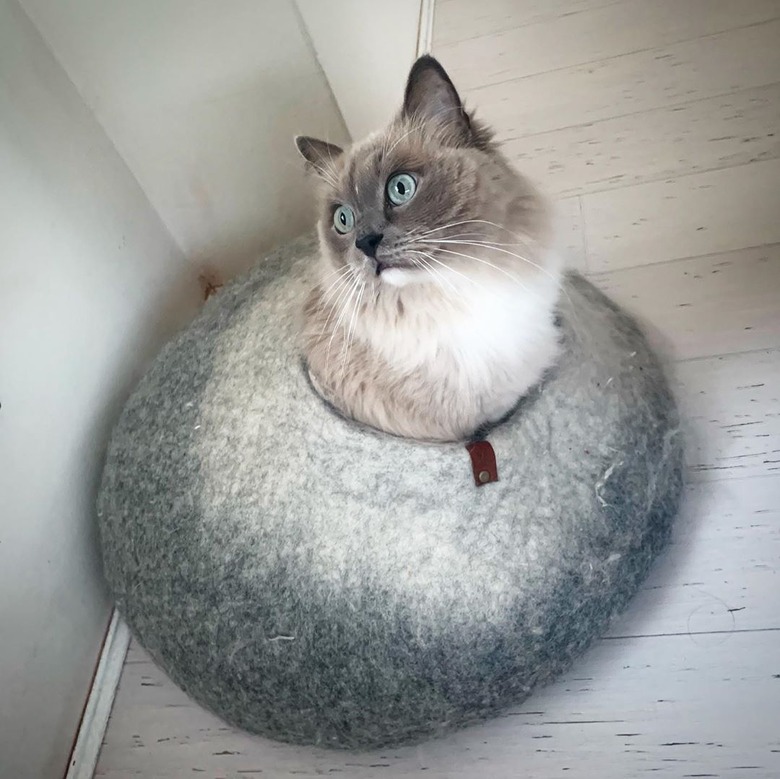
367 164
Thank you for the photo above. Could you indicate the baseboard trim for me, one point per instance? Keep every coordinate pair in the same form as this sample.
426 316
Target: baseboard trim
425 30
85 753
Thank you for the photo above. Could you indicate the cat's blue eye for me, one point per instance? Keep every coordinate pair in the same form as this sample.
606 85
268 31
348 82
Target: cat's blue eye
401 188
343 219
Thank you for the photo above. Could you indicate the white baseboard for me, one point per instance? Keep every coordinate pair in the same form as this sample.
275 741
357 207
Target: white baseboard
425 31
85 753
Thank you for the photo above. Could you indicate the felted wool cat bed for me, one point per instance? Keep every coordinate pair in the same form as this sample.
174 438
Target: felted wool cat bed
315 581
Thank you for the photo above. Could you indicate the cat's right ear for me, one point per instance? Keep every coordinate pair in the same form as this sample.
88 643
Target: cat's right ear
432 97
320 156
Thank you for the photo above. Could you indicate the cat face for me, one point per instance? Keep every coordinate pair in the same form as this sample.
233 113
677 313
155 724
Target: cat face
391 202
394 191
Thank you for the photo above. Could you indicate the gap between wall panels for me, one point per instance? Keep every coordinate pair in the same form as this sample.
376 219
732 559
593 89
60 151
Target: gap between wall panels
425 32
97 710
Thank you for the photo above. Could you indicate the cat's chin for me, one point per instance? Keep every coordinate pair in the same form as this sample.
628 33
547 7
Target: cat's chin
400 277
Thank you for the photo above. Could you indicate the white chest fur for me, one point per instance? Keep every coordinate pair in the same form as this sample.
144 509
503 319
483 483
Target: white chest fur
485 334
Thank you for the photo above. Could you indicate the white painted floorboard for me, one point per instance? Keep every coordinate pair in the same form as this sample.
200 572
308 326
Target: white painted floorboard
667 142
657 125
704 306
633 83
701 213
601 33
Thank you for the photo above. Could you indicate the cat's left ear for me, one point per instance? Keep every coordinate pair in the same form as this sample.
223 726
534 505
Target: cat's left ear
431 97
321 156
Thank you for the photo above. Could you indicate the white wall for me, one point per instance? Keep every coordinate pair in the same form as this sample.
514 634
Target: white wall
91 283
140 143
366 48
202 99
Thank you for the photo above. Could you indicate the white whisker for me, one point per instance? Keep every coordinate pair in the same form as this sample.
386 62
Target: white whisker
344 308
341 274
412 129
469 222
351 330
432 258
496 247
424 260
344 285
488 263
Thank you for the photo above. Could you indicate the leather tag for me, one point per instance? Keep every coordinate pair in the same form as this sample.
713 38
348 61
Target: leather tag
483 462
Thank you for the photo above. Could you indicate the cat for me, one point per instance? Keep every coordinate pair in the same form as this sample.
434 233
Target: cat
432 310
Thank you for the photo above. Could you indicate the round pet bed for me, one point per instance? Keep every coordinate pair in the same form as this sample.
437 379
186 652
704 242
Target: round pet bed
315 581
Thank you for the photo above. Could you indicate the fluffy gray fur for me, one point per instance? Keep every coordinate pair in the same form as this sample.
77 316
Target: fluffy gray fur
315 581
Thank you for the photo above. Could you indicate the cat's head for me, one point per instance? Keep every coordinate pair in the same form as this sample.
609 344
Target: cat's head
417 197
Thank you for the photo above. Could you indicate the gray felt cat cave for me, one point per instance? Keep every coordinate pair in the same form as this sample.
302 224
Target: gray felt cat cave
314 581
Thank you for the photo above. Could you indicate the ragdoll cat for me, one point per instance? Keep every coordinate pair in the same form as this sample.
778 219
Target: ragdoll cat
432 309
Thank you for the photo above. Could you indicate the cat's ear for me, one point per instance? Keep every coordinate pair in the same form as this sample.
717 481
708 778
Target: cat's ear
432 97
320 156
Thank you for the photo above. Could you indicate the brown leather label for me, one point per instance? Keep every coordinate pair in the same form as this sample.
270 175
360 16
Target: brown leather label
483 462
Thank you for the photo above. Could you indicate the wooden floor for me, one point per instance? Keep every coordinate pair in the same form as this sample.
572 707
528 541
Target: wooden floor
656 123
